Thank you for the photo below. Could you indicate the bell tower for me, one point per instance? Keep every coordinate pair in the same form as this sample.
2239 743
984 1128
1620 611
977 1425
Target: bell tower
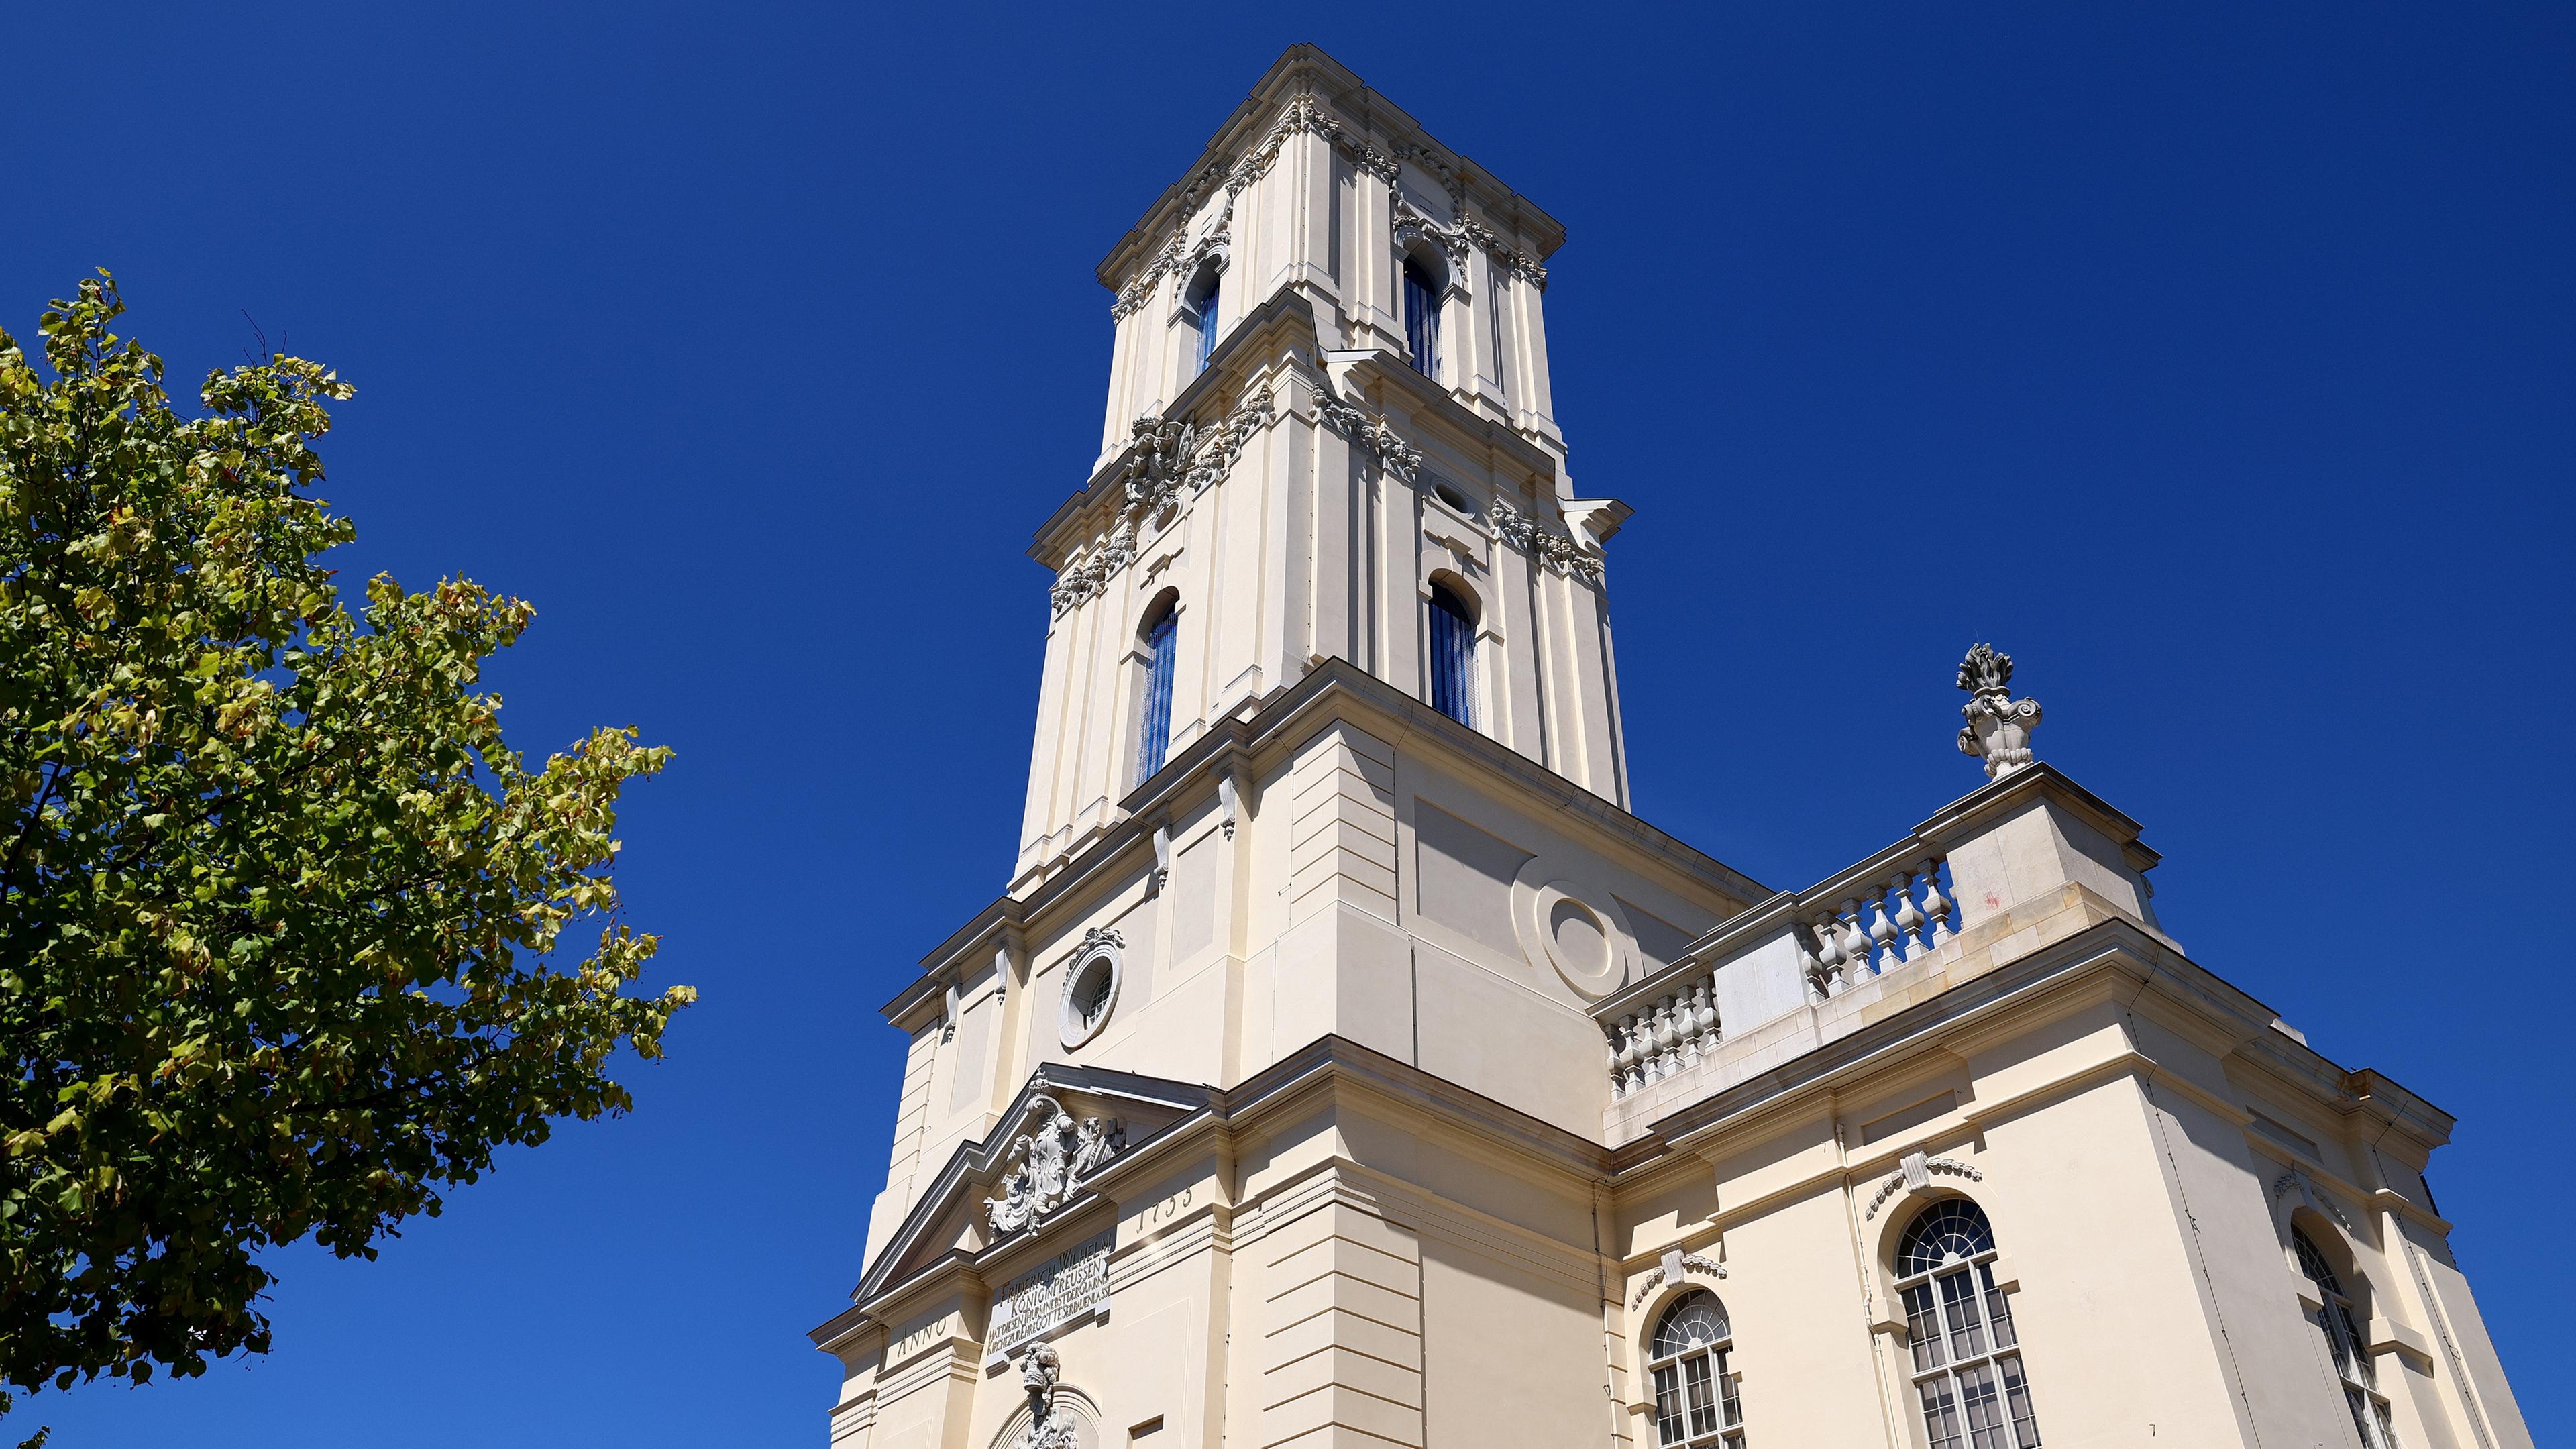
1328 435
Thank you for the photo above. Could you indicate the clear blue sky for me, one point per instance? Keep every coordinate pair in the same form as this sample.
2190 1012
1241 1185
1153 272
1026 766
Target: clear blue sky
2220 366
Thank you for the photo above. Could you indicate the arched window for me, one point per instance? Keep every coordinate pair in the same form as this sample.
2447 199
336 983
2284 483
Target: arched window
1696 1404
1154 722
1453 655
1422 316
1201 302
1967 1373
2345 1345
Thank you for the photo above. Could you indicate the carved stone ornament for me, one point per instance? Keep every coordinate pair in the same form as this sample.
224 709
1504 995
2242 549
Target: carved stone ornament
1998 726
2296 1181
1048 1161
1306 114
1398 457
1549 550
1170 459
1655 1276
1916 1171
1040 1371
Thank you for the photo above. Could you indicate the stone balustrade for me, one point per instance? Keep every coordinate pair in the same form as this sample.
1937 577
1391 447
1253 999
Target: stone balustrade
1847 928
1859 936
2007 852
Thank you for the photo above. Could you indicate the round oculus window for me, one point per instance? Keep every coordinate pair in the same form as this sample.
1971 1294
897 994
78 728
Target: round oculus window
1090 994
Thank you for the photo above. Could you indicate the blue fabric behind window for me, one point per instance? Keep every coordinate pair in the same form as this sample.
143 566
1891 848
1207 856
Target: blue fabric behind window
1422 320
1207 325
1453 657
1162 642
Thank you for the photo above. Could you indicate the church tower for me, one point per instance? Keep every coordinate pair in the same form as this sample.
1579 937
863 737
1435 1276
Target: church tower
1328 436
1346 1063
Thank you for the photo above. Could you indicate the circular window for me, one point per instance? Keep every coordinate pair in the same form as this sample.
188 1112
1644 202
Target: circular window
1441 488
1090 994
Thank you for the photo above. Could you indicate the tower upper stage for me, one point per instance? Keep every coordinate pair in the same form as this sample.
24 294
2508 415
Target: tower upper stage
1329 434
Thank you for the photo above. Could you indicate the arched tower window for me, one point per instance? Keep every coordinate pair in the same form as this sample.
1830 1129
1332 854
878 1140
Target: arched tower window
1422 288
1453 655
1967 1373
1201 302
2345 1345
1154 721
1696 1404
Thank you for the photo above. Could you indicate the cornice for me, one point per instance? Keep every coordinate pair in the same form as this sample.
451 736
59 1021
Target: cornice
1277 1094
1305 69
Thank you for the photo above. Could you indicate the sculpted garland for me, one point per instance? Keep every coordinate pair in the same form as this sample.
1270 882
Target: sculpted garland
1171 457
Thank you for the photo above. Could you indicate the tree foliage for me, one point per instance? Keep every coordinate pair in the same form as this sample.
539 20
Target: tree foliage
279 907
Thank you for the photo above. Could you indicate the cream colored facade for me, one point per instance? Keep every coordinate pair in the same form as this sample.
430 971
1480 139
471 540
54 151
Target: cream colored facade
1405 1082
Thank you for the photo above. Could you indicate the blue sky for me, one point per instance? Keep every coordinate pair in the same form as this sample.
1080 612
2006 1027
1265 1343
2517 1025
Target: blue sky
2217 362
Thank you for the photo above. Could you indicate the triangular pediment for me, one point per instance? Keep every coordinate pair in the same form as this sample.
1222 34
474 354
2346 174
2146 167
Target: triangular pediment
1066 1125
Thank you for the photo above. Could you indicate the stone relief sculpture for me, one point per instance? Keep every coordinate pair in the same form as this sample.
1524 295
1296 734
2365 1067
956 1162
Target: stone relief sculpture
1040 1370
1048 1161
1170 458
1999 726
1551 550
1398 457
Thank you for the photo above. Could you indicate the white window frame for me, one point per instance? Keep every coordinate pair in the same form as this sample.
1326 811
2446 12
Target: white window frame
2347 1348
1971 1386
1699 1402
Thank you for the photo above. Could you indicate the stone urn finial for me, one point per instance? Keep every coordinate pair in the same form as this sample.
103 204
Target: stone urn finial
1999 726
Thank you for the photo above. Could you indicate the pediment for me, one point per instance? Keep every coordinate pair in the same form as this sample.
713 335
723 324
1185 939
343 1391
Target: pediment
1067 1125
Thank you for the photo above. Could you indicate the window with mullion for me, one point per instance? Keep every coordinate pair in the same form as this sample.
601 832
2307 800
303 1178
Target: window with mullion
2346 1347
1453 656
1971 1384
1696 1402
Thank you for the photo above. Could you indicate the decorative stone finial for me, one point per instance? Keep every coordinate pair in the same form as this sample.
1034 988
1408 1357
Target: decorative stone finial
1999 726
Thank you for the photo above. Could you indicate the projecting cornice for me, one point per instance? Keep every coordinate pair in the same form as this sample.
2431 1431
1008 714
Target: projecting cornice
1305 69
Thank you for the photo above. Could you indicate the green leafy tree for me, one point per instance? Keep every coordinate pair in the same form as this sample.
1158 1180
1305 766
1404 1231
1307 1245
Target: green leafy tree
279 907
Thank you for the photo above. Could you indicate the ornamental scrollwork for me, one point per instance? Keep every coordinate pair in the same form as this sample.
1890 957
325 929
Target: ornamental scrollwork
1548 549
1398 457
1168 458
1047 1162
1306 114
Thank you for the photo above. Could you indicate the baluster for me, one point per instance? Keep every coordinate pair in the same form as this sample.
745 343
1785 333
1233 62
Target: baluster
1829 954
1909 918
1882 932
1855 945
1707 1016
1937 905
1668 1035
1631 1074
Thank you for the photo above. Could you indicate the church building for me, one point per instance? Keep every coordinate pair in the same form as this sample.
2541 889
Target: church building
1345 1063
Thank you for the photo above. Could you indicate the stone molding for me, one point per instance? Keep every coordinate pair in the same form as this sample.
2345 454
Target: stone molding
1307 114
2297 1181
1666 1271
1554 551
1913 1174
1398 457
